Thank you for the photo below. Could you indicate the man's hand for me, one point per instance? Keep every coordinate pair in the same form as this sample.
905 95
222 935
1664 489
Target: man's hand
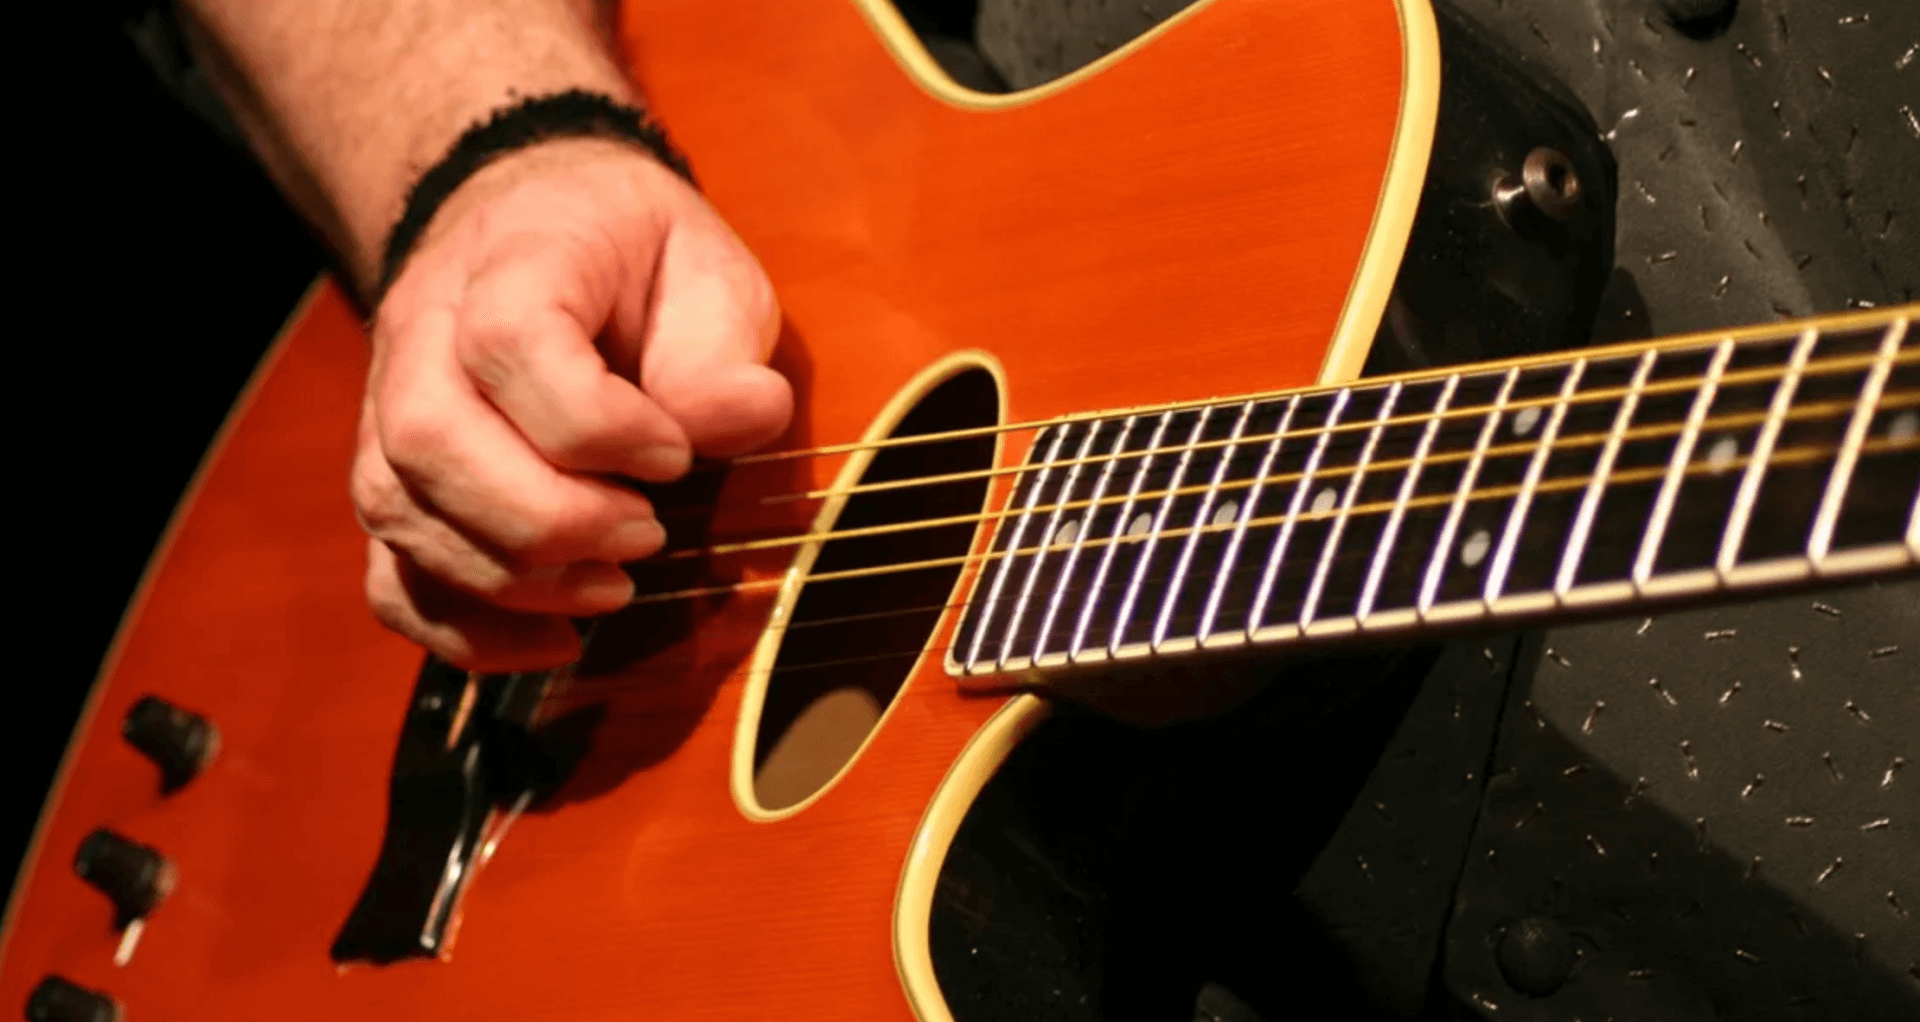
574 315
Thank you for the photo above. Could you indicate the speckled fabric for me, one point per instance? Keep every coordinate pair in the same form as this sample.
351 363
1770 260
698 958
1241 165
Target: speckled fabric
1713 807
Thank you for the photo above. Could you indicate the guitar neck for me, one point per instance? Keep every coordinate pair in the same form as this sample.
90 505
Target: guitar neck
1589 483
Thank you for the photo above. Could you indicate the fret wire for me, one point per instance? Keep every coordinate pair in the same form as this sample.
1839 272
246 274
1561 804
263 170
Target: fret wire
1677 465
1232 554
1735 532
1602 469
1019 591
1127 603
985 614
1899 398
1317 588
1458 506
1913 528
1522 503
1185 561
1391 532
1803 454
1285 535
1045 544
1080 540
1113 542
1821 540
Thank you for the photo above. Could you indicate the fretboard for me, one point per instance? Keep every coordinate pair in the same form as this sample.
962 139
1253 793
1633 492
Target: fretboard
1592 482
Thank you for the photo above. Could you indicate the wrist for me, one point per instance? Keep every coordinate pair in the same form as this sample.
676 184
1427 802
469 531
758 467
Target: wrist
349 101
532 136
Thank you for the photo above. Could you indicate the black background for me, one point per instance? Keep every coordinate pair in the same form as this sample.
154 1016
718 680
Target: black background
162 262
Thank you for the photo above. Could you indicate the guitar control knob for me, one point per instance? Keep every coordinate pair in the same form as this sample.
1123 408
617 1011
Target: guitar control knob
1547 185
57 1000
178 741
136 878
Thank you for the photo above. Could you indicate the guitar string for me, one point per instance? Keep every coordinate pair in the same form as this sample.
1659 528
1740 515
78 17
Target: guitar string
1804 454
1883 320
1779 457
1894 400
1831 366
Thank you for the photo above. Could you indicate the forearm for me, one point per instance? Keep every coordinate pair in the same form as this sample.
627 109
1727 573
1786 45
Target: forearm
348 101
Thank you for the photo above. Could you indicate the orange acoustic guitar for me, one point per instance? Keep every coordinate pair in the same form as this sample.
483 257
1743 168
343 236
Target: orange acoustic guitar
1182 234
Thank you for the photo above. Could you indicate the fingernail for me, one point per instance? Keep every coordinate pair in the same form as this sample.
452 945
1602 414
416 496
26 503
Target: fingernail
598 587
662 462
632 540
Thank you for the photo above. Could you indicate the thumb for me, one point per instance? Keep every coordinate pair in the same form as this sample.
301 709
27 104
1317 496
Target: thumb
712 325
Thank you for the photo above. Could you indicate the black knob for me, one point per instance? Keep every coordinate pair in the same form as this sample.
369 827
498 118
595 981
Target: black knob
178 741
57 1000
136 878
1536 955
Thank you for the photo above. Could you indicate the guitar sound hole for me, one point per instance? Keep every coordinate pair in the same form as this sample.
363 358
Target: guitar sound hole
850 643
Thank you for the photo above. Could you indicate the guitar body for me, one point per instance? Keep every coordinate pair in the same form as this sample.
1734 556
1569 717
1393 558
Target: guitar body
1217 209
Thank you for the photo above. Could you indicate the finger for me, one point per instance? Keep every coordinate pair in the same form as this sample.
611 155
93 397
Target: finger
458 627
526 328
711 324
448 445
388 512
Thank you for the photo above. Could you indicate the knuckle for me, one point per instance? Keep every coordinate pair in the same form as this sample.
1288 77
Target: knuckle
533 536
413 437
493 327
490 342
576 443
486 579
378 499
441 560
540 535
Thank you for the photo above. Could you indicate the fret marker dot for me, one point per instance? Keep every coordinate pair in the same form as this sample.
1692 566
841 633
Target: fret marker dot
1065 533
1722 453
1474 550
1324 500
1227 511
1139 526
1525 419
1904 427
